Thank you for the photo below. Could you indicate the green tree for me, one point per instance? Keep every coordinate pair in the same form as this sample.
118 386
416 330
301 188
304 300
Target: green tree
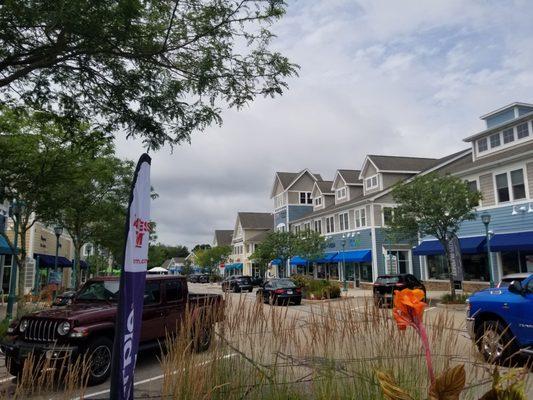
35 150
187 268
434 205
277 245
199 247
209 258
310 245
158 253
159 69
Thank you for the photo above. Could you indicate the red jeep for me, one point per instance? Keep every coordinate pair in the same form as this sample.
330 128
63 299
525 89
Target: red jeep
87 326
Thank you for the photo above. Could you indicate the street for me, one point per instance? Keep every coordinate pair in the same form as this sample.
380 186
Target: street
150 374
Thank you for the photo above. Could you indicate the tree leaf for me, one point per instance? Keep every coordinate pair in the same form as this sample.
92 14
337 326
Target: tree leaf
449 384
391 391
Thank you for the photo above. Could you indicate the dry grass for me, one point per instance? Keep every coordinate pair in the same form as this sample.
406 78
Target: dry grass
331 353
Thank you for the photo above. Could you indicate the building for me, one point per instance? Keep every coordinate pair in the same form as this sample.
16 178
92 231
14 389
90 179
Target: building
353 213
251 228
174 264
222 237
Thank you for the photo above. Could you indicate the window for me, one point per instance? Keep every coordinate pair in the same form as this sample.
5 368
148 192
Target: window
297 228
318 201
343 222
371 182
517 181
173 291
472 186
330 224
360 218
388 213
508 135
495 140
517 190
482 145
341 193
305 198
279 200
318 226
307 226
502 188
152 293
522 130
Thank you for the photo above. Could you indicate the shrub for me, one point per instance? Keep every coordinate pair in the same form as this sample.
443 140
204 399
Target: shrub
4 324
317 289
459 299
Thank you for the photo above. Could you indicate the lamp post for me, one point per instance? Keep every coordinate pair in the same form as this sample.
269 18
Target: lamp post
485 218
345 282
14 213
58 230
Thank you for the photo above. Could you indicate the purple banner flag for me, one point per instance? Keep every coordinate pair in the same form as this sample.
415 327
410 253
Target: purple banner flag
132 281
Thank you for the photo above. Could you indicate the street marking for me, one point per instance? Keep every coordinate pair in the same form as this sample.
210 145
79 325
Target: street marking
7 379
155 378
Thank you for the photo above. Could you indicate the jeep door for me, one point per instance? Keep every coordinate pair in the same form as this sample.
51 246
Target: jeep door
174 304
153 326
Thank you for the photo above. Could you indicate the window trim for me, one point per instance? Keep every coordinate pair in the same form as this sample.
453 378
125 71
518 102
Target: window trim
308 198
383 214
341 193
508 171
369 179
332 225
319 225
503 146
358 219
344 221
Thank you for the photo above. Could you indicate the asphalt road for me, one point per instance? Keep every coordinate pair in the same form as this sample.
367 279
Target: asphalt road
148 374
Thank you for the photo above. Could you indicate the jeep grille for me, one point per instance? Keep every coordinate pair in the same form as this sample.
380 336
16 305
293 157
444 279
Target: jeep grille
41 330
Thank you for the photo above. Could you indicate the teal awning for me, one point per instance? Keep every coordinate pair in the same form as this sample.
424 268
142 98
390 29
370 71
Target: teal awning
327 258
298 261
4 247
354 256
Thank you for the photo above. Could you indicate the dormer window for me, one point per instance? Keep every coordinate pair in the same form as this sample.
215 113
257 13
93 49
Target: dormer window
371 182
482 145
318 201
495 140
522 130
305 198
341 193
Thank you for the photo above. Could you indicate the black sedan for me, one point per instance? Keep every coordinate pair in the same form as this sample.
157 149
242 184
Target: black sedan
385 286
237 283
280 291
64 299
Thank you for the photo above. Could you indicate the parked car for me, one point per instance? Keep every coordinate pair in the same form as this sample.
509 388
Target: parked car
258 281
507 279
87 326
385 285
203 278
500 320
280 291
64 299
198 278
237 283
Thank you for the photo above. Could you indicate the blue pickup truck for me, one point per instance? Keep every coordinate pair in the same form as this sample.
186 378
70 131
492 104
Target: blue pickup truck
500 320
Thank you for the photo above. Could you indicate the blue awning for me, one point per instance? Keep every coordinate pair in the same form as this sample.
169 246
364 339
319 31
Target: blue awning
47 261
275 261
354 256
297 260
327 258
469 245
512 241
4 247
231 267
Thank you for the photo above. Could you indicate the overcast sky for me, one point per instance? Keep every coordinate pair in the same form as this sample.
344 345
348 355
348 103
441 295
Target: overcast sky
377 77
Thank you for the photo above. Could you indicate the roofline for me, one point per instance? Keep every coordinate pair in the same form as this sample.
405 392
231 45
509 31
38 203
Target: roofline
320 190
302 172
498 127
367 158
274 185
499 110
349 205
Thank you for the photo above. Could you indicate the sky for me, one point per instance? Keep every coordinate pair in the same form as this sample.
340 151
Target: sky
406 78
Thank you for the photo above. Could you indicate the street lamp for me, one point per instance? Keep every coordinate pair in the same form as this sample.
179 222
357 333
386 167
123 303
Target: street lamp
485 218
14 213
58 230
345 282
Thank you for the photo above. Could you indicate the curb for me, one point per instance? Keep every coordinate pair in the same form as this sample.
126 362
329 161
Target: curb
453 307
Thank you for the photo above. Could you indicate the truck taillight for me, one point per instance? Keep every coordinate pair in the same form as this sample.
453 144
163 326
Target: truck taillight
279 291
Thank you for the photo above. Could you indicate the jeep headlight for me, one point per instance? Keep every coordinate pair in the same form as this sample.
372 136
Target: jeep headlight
23 325
63 328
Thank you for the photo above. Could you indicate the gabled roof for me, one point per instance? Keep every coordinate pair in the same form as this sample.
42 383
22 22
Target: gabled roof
287 179
398 163
350 176
256 220
223 237
325 187
175 260
259 237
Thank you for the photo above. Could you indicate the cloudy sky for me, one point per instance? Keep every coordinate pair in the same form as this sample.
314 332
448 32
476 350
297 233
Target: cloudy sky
377 77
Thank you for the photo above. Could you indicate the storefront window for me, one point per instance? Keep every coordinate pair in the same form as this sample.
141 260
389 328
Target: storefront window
516 261
333 271
8 259
474 267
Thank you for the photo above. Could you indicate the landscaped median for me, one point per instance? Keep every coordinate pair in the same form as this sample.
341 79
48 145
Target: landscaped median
317 289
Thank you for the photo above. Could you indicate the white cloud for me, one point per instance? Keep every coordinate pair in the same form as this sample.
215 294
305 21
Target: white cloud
386 77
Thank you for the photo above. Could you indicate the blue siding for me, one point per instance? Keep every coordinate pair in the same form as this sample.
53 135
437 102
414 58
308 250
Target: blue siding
501 222
500 118
280 217
363 241
297 212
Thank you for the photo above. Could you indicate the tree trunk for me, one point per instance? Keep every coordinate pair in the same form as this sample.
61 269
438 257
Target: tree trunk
21 263
76 266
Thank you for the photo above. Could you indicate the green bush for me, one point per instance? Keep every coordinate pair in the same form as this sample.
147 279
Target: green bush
4 324
317 289
459 298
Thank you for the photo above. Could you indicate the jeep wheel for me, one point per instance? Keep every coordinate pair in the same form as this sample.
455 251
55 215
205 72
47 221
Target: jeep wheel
99 353
495 342
202 337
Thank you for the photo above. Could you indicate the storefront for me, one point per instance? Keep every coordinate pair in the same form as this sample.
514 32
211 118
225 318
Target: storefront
516 251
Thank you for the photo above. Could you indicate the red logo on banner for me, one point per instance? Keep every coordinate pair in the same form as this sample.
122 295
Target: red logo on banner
141 227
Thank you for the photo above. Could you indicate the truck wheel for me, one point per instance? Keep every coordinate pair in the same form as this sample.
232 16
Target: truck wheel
201 337
495 341
99 352
14 368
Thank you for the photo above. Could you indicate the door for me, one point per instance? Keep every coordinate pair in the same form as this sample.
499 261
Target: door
174 304
153 325
522 315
